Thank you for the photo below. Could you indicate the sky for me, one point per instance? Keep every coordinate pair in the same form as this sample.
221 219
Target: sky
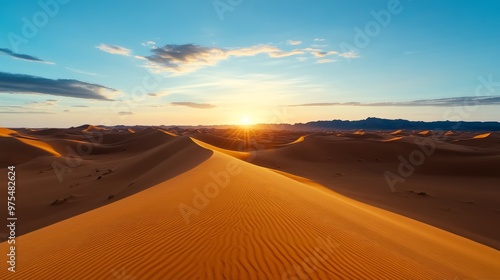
71 62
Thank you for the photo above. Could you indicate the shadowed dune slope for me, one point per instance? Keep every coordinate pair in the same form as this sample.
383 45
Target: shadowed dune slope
221 142
256 225
114 144
16 148
73 185
236 154
487 140
15 151
455 188
444 158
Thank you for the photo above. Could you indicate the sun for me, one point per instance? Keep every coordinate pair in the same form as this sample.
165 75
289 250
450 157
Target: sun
246 121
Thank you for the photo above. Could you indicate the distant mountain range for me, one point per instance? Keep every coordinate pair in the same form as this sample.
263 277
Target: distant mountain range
385 124
366 124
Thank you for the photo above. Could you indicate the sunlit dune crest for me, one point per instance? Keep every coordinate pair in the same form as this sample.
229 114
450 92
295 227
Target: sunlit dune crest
131 130
40 145
425 132
93 128
397 131
482 136
168 132
300 139
448 133
359 132
393 139
236 154
4 132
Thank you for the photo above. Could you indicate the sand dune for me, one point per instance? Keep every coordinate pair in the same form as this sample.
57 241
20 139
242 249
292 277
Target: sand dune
152 205
111 171
393 139
489 141
92 128
260 225
300 139
228 143
236 154
460 182
10 148
397 132
482 136
425 132
168 132
17 148
364 136
245 139
40 145
4 132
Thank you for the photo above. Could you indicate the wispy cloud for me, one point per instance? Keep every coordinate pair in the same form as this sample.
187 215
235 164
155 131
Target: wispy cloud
49 102
189 57
319 53
237 88
25 112
23 56
293 43
194 105
80 71
323 53
22 84
125 113
11 106
285 54
325 61
349 55
440 102
29 108
186 58
319 40
114 49
149 44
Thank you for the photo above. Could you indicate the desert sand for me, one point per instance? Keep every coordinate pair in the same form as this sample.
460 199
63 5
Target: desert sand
151 203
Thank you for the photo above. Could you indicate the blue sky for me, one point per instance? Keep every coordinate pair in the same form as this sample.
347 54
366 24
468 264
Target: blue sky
65 63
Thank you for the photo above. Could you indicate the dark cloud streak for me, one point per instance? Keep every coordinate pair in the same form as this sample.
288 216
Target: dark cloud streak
22 84
194 105
441 102
22 56
190 57
26 112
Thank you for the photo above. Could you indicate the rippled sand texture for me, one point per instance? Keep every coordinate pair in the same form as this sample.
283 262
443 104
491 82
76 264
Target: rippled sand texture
196 212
